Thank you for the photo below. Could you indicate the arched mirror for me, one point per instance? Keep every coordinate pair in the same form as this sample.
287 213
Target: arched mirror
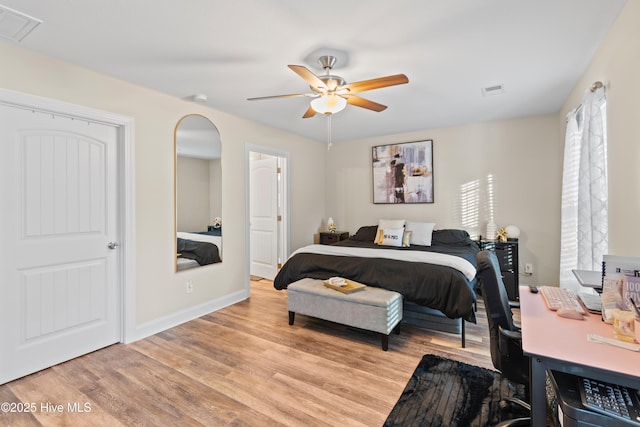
198 193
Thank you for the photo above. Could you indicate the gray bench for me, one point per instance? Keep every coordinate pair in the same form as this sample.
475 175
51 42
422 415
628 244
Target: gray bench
372 309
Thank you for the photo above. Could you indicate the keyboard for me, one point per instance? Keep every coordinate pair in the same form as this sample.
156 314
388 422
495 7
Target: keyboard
556 298
610 399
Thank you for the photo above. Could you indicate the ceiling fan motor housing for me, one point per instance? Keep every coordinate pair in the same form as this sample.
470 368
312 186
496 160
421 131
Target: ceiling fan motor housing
327 62
332 82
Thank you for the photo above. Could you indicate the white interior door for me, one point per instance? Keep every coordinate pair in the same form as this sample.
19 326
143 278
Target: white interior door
263 218
60 290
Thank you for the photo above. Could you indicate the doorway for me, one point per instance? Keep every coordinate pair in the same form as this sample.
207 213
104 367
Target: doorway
268 210
65 282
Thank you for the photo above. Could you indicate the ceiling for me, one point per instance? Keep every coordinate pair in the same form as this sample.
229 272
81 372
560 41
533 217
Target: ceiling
234 50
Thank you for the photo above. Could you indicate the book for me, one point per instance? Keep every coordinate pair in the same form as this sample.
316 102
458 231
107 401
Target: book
345 286
624 271
631 291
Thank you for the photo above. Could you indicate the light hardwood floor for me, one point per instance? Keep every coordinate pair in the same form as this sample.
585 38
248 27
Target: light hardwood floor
241 366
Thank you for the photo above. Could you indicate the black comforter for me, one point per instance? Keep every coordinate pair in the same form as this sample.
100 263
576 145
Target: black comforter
434 286
203 252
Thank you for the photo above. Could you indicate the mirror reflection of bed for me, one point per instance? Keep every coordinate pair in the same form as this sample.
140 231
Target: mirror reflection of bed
198 193
197 249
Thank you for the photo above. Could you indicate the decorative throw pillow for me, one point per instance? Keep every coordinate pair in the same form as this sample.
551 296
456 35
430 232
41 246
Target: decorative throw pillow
406 238
388 224
420 232
392 237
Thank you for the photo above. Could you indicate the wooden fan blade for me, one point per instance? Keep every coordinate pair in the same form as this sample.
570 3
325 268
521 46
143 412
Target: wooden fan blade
358 101
309 77
309 113
380 82
292 95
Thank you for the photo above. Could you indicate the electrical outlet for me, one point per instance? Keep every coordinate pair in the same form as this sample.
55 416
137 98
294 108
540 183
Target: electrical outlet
528 268
189 287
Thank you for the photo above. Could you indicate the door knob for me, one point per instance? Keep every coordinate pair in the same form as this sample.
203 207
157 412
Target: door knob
112 245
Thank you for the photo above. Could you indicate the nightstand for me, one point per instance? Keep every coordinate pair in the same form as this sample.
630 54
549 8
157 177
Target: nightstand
507 254
329 238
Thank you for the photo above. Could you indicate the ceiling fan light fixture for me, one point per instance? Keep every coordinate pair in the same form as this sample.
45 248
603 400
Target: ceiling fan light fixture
328 104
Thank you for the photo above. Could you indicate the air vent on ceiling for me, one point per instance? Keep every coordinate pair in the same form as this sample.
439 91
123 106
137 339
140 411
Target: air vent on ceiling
16 25
492 90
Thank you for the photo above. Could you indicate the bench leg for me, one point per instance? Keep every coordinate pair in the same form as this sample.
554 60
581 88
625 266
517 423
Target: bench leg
464 342
292 317
385 342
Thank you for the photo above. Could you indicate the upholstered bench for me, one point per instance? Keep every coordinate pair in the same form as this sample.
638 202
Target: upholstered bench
372 309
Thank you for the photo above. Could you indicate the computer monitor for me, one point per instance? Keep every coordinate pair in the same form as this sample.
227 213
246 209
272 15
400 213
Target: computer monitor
627 265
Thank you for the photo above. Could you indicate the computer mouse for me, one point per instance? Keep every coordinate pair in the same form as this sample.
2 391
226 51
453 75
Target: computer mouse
569 313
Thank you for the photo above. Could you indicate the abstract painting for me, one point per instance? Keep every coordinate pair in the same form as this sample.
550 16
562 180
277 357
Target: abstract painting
403 173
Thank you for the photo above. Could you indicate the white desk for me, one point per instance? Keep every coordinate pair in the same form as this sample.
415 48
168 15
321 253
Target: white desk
561 344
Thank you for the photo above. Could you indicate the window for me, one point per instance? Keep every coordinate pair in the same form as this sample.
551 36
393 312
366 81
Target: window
584 208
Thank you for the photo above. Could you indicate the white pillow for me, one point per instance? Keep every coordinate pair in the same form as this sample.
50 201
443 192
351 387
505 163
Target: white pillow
391 236
420 232
391 224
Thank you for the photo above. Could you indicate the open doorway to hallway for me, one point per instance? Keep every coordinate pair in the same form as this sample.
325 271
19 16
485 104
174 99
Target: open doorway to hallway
268 211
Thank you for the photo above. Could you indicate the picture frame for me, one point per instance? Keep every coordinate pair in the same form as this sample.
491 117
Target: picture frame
403 173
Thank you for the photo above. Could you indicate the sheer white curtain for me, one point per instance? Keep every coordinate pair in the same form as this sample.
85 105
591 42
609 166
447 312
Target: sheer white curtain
584 211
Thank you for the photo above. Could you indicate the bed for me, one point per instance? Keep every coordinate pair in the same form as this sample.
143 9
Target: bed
197 249
440 276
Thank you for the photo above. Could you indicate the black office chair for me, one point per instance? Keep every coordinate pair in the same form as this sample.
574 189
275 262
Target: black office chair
505 337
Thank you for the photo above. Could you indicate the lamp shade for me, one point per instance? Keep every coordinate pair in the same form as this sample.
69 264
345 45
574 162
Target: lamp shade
513 232
328 104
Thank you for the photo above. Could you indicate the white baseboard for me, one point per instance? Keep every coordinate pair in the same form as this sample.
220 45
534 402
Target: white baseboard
167 322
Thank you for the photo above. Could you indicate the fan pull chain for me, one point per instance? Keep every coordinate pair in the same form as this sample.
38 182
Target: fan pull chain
329 131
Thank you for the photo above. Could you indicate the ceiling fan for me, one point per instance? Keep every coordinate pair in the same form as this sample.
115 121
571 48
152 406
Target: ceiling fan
332 93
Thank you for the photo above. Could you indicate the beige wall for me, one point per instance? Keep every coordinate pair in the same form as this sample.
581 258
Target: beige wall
198 193
193 194
215 176
160 291
522 158
617 64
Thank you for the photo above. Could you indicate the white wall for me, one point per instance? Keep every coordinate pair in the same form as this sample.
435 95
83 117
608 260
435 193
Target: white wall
522 156
160 291
617 64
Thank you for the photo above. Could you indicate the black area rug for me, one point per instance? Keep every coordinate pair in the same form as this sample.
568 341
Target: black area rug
444 392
